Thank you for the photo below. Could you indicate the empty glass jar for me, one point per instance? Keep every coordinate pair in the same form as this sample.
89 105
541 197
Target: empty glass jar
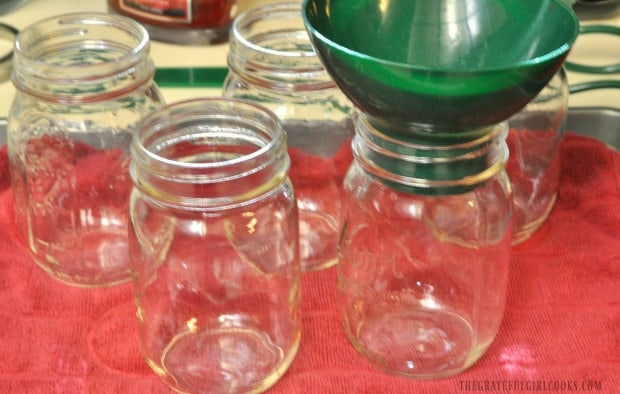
272 62
425 248
534 164
214 238
83 82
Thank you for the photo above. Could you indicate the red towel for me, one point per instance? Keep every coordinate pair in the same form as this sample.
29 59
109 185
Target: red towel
560 333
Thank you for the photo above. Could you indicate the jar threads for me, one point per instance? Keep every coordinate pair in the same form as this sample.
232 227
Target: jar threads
433 168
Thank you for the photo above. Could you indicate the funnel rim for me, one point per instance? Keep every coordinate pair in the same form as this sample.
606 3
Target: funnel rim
550 55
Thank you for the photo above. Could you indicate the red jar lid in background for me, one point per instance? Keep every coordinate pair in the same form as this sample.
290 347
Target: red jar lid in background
181 21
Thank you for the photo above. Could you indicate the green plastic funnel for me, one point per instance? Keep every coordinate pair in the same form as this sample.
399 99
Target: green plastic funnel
441 65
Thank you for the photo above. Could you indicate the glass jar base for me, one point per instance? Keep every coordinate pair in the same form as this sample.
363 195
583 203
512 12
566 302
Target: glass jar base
318 234
223 360
417 343
524 228
102 260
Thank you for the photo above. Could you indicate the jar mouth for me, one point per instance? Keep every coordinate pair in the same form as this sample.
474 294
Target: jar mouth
282 20
205 152
80 48
273 43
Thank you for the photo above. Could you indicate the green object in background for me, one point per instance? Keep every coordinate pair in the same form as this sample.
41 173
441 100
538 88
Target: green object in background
591 69
196 77
441 65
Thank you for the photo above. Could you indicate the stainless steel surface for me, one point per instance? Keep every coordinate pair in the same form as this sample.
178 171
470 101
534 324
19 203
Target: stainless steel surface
593 10
600 123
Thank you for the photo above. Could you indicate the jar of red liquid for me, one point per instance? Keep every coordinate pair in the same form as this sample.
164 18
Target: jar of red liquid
425 248
272 62
83 82
534 164
215 246
189 22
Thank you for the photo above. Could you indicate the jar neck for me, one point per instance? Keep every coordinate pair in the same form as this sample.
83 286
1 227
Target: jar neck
82 58
431 164
270 48
209 154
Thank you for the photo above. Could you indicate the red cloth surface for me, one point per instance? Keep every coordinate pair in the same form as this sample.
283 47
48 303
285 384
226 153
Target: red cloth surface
561 329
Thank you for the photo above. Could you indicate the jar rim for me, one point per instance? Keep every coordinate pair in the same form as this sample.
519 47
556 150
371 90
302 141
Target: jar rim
269 11
63 31
175 110
270 47
209 153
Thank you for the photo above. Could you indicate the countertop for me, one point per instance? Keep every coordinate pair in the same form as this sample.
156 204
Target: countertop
590 49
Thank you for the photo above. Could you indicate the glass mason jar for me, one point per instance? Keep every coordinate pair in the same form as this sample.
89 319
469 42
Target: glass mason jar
272 62
83 82
189 22
214 246
425 249
534 164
